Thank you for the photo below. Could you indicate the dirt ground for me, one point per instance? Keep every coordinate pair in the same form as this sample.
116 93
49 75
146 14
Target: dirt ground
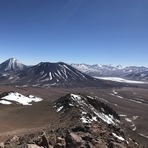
130 103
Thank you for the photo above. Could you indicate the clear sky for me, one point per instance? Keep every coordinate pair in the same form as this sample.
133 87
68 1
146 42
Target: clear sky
75 31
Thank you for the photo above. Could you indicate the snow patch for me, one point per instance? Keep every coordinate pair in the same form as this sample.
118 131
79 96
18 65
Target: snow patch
121 115
88 120
120 97
53 84
90 97
119 137
59 109
21 99
135 101
108 119
10 78
143 135
75 97
44 80
115 92
135 117
5 102
71 104
50 76
128 120
88 112
133 126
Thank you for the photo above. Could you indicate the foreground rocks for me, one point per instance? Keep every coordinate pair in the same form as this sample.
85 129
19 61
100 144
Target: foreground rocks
96 136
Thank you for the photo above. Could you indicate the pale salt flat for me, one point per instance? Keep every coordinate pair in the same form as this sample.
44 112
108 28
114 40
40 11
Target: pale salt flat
116 79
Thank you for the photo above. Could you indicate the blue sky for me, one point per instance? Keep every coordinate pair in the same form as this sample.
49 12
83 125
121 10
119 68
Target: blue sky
75 31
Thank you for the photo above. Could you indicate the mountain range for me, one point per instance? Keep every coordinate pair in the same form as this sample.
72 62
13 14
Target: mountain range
61 74
129 72
44 74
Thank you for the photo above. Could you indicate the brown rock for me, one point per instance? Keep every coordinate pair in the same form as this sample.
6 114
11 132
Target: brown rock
15 139
33 146
45 140
2 145
73 140
116 145
52 139
76 138
37 140
59 145
61 141
13 142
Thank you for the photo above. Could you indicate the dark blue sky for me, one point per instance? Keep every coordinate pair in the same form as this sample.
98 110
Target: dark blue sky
75 31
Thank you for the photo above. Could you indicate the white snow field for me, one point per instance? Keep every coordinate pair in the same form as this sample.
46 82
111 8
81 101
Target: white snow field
19 98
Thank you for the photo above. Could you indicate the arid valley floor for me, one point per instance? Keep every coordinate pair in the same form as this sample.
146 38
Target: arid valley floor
131 104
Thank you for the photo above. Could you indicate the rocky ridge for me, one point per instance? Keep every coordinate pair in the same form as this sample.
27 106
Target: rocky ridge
84 122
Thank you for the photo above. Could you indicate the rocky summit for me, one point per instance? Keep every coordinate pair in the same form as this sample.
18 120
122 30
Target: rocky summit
84 122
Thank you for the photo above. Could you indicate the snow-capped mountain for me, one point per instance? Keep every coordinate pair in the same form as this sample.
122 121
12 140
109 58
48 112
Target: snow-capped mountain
130 72
98 69
54 74
11 65
61 74
139 75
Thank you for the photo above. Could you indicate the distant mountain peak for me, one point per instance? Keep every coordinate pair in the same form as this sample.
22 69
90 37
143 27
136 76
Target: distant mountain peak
55 74
119 66
11 64
12 59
